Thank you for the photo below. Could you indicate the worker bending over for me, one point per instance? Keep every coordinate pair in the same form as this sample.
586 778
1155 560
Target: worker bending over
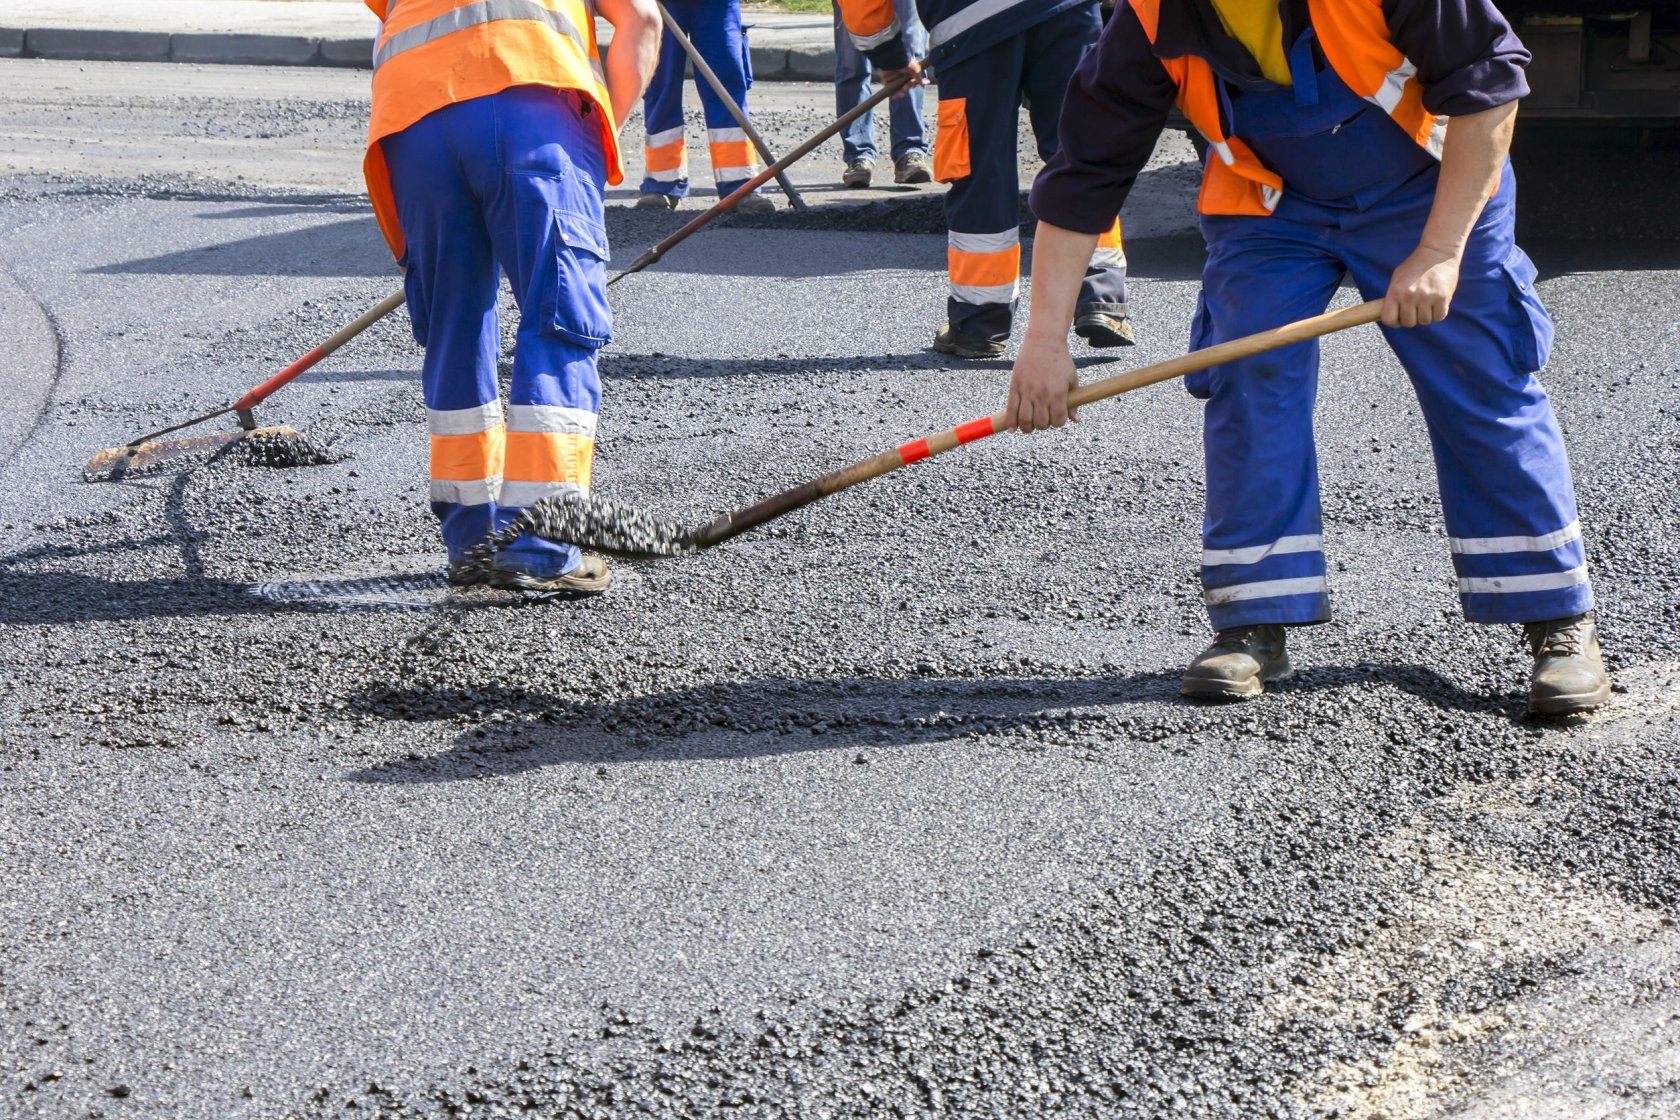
988 55
714 27
494 134
1349 138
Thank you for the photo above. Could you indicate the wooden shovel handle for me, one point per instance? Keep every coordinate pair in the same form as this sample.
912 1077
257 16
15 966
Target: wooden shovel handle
733 524
344 334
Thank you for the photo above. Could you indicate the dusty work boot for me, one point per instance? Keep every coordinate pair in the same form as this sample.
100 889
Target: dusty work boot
653 200
756 203
912 167
858 173
590 577
1569 674
951 341
1237 664
1104 328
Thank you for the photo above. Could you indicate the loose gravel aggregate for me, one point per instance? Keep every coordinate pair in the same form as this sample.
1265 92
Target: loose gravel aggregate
887 809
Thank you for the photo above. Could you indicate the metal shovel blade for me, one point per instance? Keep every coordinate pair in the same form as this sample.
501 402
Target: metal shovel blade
115 463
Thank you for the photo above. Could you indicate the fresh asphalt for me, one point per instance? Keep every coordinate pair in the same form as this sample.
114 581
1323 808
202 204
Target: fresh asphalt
890 809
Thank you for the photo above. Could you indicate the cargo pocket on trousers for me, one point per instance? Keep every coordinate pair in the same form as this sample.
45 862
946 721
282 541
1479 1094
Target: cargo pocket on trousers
950 141
1532 331
576 308
1200 383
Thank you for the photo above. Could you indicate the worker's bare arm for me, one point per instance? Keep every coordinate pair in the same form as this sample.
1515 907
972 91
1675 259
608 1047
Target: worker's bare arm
633 54
1421 290
1043 374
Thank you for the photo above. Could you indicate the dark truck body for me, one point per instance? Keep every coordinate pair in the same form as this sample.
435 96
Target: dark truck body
1597 61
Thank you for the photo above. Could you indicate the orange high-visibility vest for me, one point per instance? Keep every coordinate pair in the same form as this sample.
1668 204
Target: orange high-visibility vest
432 53
1354 36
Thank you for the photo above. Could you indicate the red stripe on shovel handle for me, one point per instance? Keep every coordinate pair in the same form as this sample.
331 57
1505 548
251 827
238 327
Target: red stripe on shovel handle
284 377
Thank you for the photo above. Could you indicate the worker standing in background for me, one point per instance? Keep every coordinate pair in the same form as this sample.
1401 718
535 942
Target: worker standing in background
988 55
714 26
1350 138
494 134
904 115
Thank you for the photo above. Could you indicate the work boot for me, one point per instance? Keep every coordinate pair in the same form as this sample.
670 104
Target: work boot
1104 328
912 167
590 577
951 341
858 173
755 203
1569 674
653 200
1237 664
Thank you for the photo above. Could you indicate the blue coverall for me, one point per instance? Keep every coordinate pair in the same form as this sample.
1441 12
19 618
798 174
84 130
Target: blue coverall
983 207
714 26
1357 192
511 183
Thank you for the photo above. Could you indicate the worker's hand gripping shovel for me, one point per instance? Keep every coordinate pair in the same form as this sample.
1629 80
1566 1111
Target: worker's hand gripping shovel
611 528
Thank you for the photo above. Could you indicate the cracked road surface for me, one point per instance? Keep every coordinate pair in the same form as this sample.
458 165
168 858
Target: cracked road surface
890 809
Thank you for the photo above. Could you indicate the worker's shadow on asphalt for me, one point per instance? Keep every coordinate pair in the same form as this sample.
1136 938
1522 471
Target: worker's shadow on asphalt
523 730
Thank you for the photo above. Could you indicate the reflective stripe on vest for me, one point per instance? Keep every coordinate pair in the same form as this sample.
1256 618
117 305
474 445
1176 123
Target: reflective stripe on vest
1354 38
471 15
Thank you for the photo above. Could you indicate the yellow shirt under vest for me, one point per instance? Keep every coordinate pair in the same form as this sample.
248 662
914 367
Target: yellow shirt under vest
1256 25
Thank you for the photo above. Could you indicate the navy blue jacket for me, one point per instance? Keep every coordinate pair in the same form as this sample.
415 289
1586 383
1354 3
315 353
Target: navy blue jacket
956 28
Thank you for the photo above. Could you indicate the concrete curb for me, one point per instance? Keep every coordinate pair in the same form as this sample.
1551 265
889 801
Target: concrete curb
769 64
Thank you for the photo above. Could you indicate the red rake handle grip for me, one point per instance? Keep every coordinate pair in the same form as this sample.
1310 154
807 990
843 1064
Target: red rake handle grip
734 524
286 376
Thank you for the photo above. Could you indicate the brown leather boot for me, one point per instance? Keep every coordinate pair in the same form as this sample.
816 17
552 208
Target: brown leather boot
1569 674
1237 664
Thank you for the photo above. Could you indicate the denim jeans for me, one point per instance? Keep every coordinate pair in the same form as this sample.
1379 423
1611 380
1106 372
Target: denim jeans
851 86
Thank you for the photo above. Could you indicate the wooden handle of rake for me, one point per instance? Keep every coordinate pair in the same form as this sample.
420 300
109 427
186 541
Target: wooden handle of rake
733 524
704 69
286 376
799 153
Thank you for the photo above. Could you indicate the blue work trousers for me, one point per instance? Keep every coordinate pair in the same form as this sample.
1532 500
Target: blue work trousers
975 151
1506 491
714 26
852 74
510 183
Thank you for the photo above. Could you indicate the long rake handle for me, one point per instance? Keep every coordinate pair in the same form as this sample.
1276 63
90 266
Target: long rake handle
704 69
742 191
733 524
350 330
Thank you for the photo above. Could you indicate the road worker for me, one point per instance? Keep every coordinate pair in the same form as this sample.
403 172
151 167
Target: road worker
714 27
989 55
494 134
1350 138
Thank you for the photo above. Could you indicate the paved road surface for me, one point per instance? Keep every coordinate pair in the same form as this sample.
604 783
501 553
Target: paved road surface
889 810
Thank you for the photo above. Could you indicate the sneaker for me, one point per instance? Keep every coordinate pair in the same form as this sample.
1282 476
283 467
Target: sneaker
912 167
1104 328
858 173
755 203
653 200
1568 675
950 341
590 577
1237 664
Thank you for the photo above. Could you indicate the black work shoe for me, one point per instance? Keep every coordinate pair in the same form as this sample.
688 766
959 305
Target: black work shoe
466 573
1104 328
590 577
653 200
950 341
1237 664
858 173
913 168
1569 674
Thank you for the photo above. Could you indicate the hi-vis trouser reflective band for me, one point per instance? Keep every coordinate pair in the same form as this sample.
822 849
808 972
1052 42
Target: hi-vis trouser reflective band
985 267
667 155
539 450
732 155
